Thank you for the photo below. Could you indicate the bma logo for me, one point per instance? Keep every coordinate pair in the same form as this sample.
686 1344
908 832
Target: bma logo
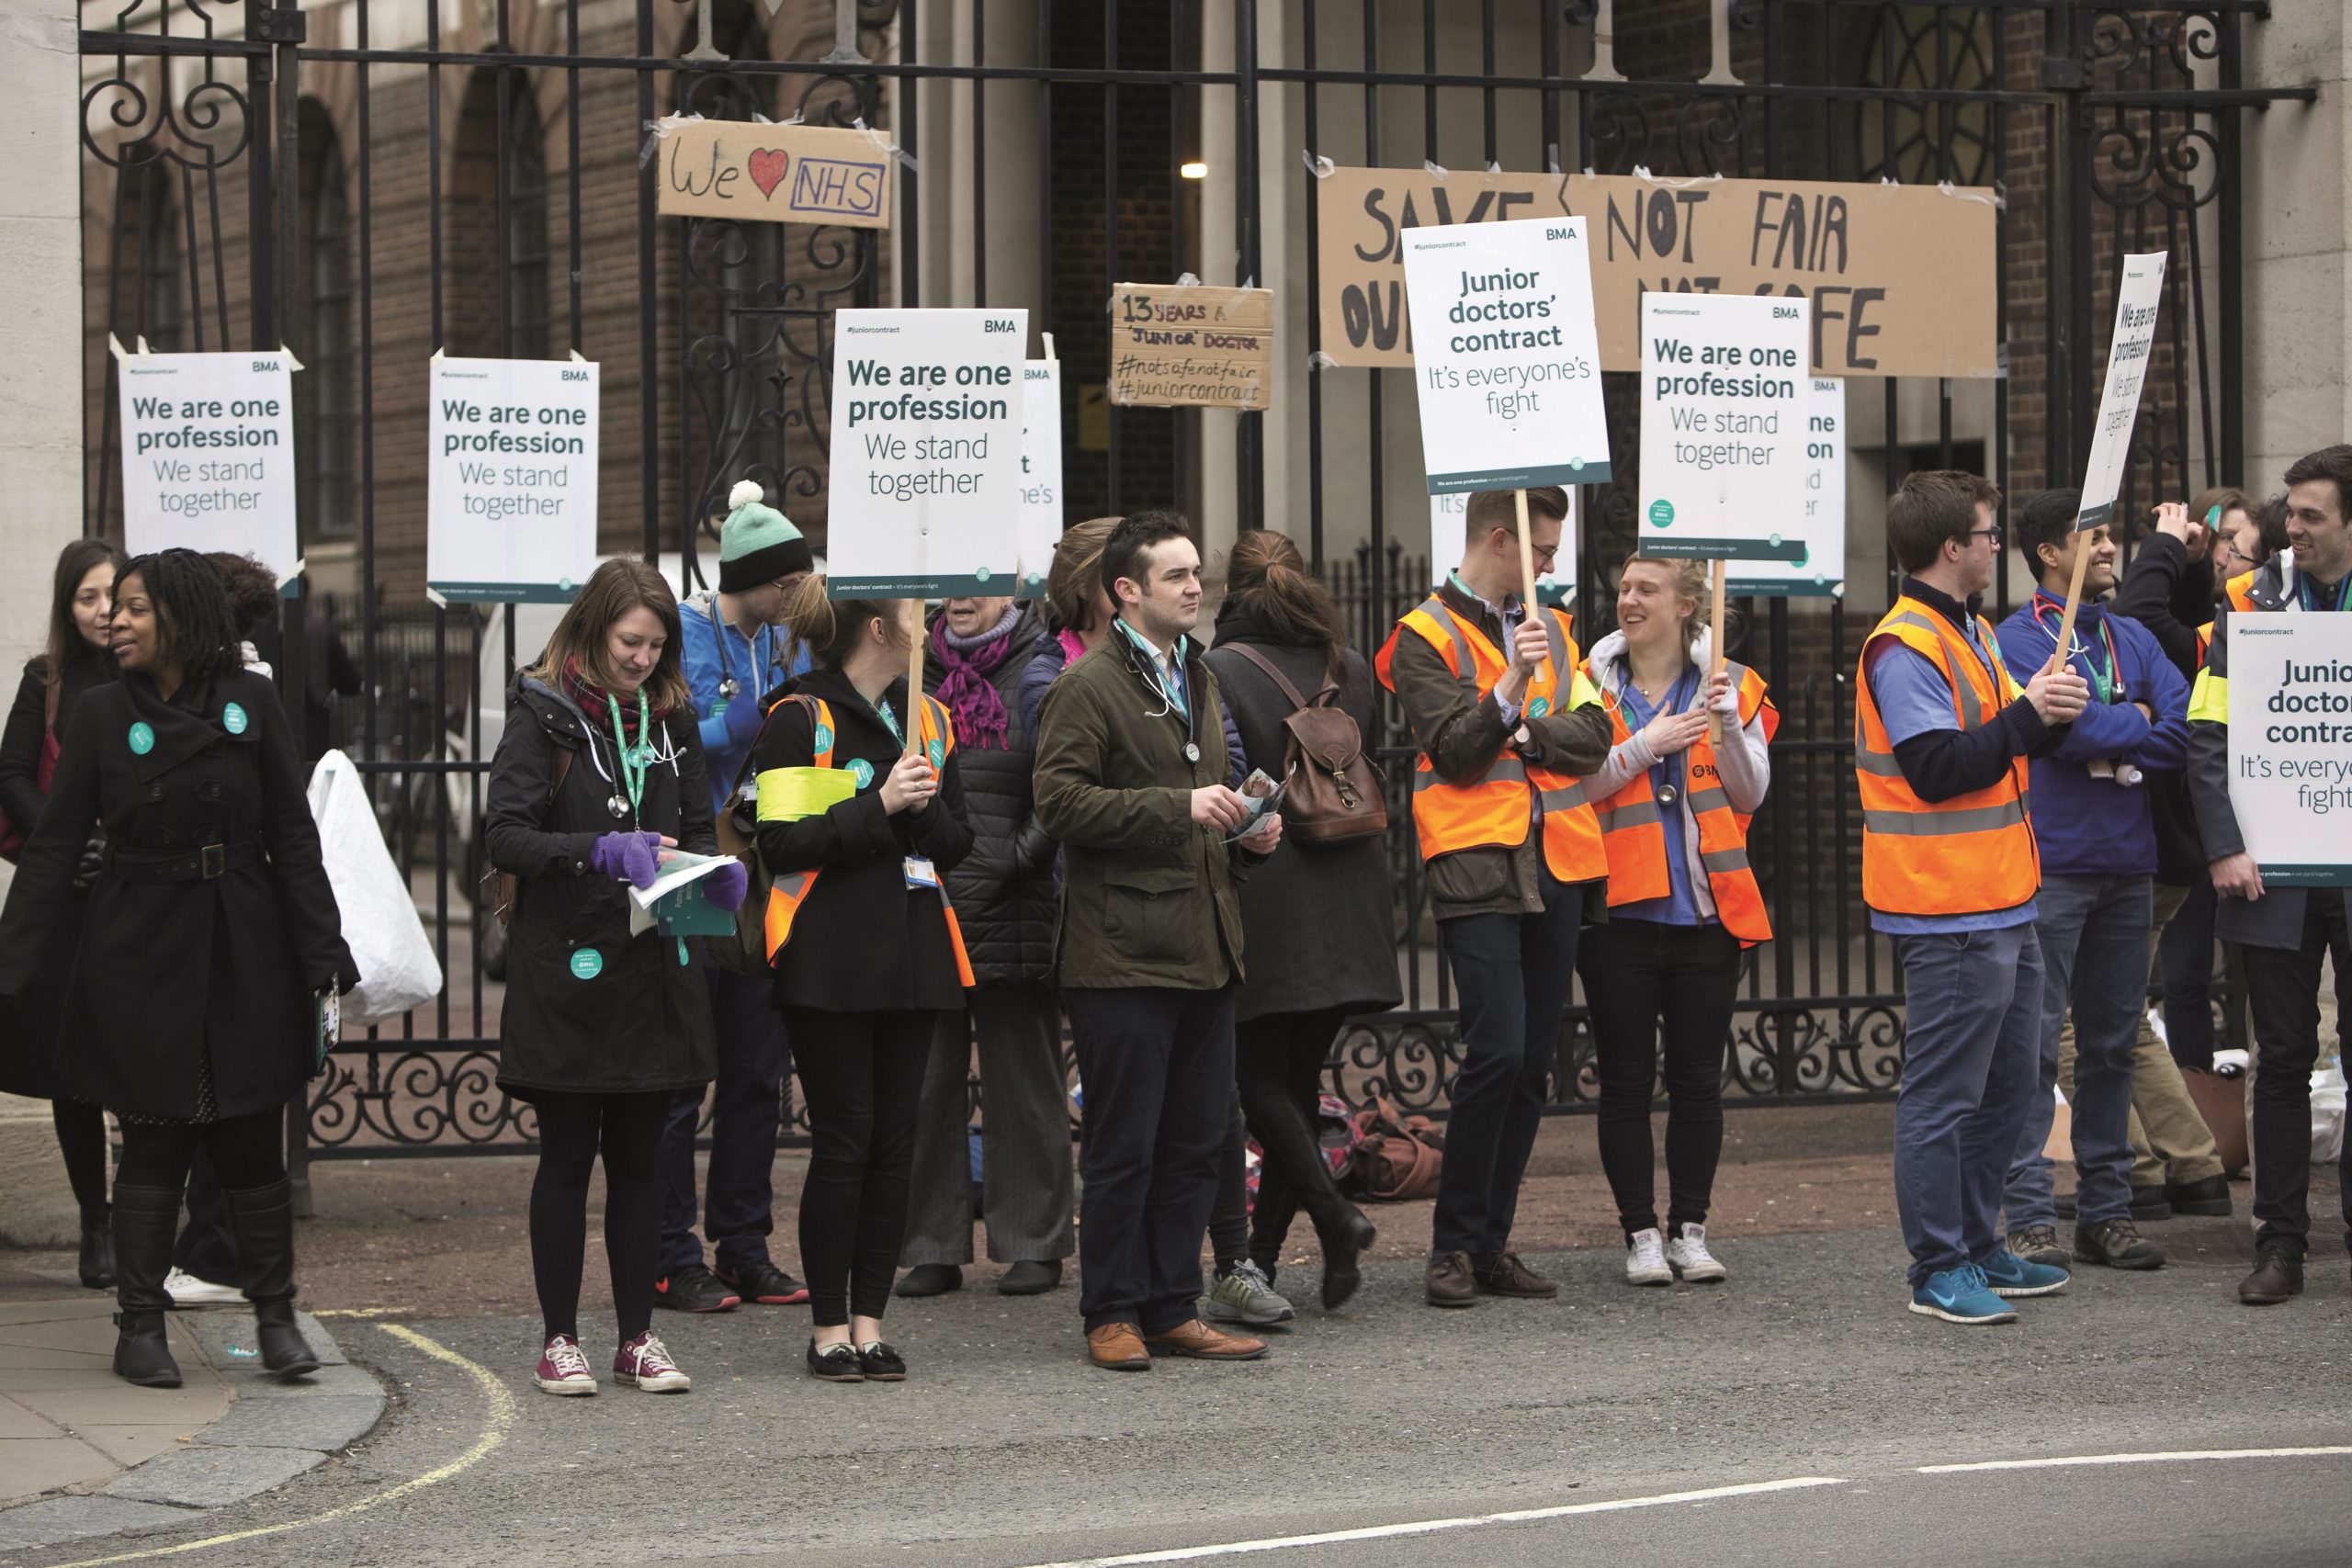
993 325
1785 313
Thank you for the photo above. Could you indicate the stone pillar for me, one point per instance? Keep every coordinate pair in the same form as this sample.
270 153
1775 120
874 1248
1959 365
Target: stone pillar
2298 243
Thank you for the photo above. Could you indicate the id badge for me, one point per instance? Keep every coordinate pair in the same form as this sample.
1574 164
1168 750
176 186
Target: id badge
920 873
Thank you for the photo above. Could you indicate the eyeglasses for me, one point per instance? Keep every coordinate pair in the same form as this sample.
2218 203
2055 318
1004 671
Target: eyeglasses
1994 534
1545 554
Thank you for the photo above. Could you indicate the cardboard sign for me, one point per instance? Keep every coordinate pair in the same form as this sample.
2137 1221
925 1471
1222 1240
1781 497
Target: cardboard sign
2138 298
511 466
1449 528
1191 346
1509 377
772 174
2290 745
1725 395
1818 568
926 452
1899 277
1041 472
207 455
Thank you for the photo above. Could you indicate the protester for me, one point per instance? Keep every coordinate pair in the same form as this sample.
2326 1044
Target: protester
1515 863
1316 918
2288 932
860 810
1130 781
76 658
1671 801
736 653
2095 910
979 650
600 766
211 893
1949 871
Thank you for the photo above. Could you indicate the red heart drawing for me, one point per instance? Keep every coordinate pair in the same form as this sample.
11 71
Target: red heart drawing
767 166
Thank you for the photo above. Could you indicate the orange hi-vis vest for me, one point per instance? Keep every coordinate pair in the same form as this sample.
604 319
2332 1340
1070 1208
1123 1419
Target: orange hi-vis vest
2239 591
1496 811
1967 855
1633 830
792 888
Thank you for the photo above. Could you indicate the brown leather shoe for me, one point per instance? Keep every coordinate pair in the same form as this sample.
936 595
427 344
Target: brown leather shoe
1117 1348
2277 1274
1198 1340
1502 1274
1449 1282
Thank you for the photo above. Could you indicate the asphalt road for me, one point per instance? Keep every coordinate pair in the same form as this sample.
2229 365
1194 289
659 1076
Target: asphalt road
1004 1450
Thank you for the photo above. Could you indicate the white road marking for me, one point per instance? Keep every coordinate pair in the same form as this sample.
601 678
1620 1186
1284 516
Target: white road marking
1433 1526
2175 1457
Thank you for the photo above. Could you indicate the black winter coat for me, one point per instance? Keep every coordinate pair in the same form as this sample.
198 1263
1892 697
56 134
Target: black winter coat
862 941
1004 888
1316 915
174 964
590 1009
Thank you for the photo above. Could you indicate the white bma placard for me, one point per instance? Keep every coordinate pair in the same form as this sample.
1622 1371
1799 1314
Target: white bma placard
510 479
1505 355
1449 530
1041 472
2290 745
926 452
207 455
2138 297
1819 570
1726 384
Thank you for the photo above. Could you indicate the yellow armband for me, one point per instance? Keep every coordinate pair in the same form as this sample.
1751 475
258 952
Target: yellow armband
786 795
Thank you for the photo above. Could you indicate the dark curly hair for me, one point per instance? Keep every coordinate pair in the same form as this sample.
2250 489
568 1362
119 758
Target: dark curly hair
200 628
253 590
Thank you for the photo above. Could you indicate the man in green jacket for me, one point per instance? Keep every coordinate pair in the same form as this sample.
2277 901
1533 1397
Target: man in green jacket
1130 779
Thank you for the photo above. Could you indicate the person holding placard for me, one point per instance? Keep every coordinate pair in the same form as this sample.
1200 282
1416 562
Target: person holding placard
861 812
736 652
1950 869
2094 822
1515 862
1673 806
606 1022
2288 932
211 952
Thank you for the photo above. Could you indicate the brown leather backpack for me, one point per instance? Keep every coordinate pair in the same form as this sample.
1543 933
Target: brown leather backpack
1396 1159
1333 793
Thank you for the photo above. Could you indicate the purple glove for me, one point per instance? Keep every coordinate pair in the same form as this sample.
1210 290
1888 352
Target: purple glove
635 858
723 889
742 719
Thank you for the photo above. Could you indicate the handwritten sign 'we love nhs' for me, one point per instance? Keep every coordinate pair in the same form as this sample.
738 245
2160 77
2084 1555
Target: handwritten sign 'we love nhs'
773 173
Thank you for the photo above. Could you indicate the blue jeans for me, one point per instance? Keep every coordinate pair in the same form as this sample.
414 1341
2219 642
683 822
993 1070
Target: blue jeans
2094 933
753 1061
1973 1010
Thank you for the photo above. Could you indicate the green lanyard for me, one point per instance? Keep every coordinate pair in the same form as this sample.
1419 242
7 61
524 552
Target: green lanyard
634 761
890 721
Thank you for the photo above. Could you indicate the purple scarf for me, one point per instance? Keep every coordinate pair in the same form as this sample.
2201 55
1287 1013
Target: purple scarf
971 697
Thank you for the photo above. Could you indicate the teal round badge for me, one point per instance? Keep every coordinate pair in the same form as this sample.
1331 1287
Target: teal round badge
938 755
640 756
233 719
862 771
981 575
823 739
587 964
143 739
1662 514
1538 706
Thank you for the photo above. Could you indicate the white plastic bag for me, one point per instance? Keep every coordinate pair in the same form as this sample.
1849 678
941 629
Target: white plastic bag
397 969
2327 1114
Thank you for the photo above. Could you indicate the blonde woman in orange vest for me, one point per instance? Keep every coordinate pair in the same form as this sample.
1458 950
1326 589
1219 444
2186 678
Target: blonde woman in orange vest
1682 902
857 830
1506 724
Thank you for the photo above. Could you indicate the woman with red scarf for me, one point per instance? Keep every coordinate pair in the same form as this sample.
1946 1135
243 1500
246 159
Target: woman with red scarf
600 768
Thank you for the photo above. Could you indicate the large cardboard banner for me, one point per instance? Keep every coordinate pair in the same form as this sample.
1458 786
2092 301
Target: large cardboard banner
1191 346
926 452
2138 296
511 488
1818 568
1899 277
2290 745
1449 530
1041 472
1509 380
1725 395
772 174
207 455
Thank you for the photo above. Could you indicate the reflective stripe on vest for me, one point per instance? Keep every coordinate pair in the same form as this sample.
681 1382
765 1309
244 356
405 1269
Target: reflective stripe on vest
1971 854
1633 830
1494 810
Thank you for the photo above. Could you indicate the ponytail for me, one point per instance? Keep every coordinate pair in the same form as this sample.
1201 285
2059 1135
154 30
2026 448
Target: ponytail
1267 577
829 628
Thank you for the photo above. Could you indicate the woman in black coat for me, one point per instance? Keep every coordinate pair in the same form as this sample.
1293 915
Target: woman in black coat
859 828
606 1018
81 613
1315 916
208 941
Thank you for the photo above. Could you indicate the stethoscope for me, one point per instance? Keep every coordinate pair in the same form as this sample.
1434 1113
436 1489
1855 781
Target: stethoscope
727 685
1663 773
1191 747
618 803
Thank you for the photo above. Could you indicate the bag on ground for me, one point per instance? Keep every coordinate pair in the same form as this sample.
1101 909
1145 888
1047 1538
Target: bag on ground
397 969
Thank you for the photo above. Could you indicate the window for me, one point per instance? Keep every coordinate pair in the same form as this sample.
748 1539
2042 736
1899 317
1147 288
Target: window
497 252
324 411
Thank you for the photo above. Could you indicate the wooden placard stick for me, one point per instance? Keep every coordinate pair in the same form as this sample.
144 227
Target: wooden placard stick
913 616
2074 603
1719 571
1526 561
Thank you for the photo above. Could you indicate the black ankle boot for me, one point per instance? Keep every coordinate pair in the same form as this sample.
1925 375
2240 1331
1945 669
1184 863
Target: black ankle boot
144 1221
1343 1240
97 1249
263 1221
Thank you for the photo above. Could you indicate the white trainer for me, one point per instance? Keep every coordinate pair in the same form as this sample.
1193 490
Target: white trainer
1688 1255
187 1291
1645 1259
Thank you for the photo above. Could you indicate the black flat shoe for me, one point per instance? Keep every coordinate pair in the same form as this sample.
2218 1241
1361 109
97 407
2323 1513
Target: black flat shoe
931 1280
880 1364
836 1363
1029 1278
1342 1275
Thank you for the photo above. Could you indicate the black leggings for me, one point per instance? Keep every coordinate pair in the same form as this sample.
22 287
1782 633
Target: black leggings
861 1073
1638 974
82 1139
245 1151
1279 1060
573 1129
